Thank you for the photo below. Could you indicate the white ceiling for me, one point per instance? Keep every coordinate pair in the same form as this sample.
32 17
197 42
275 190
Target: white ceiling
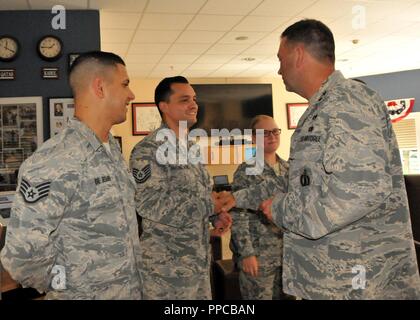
197 38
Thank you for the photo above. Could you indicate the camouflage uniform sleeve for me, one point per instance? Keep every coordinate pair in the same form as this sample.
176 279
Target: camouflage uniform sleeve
351 180
155 199
240 234
30 250
252 196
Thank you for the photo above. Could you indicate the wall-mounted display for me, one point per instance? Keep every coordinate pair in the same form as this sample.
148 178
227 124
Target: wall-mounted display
49 73
119 140
145 117
72 57
9 48
294 112
61 110
50 48
398 109
21 132
7 74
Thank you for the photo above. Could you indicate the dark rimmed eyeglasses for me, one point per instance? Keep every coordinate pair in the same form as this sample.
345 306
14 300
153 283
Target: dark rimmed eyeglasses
275 132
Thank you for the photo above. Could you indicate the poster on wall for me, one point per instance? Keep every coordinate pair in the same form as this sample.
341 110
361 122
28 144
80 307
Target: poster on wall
61 110
21 132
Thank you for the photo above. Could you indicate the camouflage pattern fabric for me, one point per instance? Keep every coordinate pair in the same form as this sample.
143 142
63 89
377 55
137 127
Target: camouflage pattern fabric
253 235
174 201
266 286
346 211
73 221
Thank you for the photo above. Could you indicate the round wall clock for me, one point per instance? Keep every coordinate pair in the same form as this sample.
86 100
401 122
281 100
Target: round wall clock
9 48
50 48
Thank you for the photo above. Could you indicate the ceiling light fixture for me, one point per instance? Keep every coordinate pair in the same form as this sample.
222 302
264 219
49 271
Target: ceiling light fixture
355 41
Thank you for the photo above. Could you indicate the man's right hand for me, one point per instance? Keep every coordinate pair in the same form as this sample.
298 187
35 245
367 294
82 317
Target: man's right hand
250 265
223 201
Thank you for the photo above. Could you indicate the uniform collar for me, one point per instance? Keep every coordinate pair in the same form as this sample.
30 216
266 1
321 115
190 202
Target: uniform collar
329 83
87 132
163 125
279 162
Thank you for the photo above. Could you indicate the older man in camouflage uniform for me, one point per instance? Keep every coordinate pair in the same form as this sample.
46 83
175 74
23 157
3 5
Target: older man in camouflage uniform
346 213
257 243
73 229
175 202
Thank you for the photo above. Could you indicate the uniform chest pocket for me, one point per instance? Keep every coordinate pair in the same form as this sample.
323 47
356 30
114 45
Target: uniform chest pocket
308 141
187 178
104 197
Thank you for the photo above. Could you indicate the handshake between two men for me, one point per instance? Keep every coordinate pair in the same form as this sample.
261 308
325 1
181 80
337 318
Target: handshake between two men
223 202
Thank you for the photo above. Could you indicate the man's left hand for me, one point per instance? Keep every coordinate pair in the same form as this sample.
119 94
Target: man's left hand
222 223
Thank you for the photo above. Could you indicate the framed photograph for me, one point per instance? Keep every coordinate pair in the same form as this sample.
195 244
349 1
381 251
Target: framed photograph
145 117
61 110
119 140
294 112
21 133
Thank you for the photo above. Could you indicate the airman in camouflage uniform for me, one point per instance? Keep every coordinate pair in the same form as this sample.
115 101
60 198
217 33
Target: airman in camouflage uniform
253 235
346 212
175 202
73 230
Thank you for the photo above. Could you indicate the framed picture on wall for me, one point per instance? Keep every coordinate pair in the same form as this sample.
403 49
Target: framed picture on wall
119 140
145 117
61 111
21 133
294 112
72 57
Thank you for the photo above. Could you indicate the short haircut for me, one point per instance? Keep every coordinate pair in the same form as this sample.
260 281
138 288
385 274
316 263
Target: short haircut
90 64
163 90
316 36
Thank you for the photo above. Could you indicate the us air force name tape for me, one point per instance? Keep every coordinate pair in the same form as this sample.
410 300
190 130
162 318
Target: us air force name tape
141 176
32 194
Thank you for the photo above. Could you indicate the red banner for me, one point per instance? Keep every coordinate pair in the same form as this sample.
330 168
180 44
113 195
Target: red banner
398 109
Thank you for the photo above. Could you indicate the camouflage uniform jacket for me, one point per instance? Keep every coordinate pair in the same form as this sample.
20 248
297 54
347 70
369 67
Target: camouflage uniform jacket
252 234
74 209
174 201
346 210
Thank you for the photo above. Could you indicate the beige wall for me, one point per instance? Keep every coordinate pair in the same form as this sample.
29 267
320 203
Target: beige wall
144 91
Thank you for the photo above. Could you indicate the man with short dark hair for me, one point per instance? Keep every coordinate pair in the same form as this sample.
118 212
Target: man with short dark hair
174 198
345 214
73 230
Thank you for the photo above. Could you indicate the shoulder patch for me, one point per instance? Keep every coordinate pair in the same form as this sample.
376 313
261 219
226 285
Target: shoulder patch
141 176
32 194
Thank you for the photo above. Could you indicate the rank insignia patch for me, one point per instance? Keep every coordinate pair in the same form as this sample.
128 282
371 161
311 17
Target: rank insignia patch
32 194
142 175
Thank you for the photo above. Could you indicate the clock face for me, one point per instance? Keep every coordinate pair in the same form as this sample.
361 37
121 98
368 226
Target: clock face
50 48
8 48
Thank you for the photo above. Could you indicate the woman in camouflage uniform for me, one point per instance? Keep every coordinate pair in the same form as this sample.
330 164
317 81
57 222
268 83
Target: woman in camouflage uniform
256 243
